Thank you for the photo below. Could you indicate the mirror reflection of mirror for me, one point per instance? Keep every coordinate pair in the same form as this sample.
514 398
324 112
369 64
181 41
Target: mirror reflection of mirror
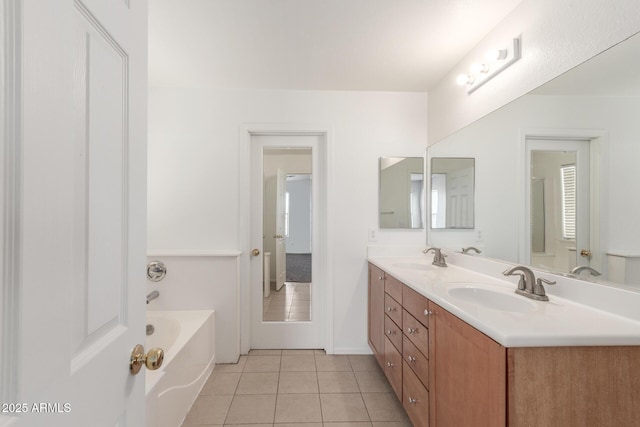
526 215
401 192
452 192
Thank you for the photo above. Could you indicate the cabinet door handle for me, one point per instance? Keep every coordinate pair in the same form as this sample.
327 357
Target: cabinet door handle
390 332
390 309
390 365
412 401
379 277
411 359
412 330
427 312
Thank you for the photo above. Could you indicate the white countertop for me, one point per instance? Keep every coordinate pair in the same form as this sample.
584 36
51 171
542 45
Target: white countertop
557 322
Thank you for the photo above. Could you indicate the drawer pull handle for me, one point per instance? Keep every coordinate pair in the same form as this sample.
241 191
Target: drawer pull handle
411 359
390 365
428 312
390 309
412 401
379 277
412 330
390 332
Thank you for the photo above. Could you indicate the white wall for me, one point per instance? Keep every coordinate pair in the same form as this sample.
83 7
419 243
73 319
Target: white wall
203 282
493 141
556 36
194 169
299 239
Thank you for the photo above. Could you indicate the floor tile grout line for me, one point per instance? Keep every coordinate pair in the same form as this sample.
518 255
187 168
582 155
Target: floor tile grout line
275 407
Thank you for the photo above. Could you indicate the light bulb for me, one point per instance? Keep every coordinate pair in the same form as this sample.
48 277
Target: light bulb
464 79
495 54
477 68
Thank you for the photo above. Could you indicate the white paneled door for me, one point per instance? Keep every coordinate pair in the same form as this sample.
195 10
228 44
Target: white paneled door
77 181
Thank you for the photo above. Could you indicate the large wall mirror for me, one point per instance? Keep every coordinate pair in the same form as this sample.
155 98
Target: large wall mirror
557 173
452 192
401 192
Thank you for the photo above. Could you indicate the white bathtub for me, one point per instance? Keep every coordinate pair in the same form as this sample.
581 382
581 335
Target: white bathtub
187 338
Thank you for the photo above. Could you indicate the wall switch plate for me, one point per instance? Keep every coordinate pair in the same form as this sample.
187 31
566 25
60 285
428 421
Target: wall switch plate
373 234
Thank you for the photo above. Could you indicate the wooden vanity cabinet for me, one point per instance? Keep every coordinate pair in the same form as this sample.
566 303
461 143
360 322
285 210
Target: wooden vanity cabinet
385 325
446 373
415 395
393 367
467 372
376 312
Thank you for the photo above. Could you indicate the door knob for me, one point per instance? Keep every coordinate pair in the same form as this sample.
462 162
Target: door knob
152 360
585 253
255 252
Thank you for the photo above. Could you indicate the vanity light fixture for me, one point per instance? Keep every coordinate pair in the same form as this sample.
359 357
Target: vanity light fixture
496 60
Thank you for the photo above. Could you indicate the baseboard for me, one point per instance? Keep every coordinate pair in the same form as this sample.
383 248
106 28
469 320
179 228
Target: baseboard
352 350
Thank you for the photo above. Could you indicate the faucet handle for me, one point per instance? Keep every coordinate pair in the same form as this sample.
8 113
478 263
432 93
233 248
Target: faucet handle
539 288
521 281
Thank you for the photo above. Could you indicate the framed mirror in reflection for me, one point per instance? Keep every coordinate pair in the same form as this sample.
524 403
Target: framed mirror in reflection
452 192
401 192
560 173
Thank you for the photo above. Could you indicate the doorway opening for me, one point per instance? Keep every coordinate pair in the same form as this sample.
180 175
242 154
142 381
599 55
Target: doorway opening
562 202
288 232
286 313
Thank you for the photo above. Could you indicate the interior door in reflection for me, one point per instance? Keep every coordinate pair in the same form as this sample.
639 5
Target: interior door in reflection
558 203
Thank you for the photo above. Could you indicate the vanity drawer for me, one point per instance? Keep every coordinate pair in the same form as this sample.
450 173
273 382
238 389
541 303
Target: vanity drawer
393 332
393 287
417 361
415 398
415 304
393 309
416 332
393 367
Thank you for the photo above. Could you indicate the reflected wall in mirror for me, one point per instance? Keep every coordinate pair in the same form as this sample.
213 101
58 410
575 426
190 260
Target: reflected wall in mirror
597 102
452 192
401 192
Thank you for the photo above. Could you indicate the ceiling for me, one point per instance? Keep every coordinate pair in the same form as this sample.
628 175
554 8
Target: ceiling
376 45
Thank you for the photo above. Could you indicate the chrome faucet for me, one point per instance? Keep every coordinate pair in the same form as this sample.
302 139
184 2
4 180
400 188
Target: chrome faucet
471 248
528 286
579 269
438 257
153 295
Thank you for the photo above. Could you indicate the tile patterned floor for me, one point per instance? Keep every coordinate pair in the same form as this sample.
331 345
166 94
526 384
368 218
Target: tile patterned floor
291 303
298 388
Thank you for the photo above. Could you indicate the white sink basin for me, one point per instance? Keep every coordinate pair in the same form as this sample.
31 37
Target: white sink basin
412 265
491 297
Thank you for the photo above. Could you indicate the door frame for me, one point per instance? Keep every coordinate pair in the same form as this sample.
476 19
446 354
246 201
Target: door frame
323 277
598 202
